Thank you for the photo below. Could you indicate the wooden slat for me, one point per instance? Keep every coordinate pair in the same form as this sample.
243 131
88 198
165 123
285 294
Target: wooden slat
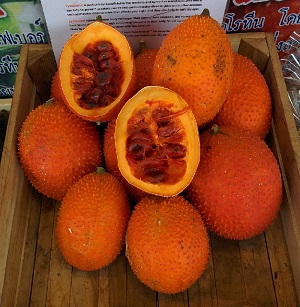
138 292
281 271
228 269
117 281
203 292
12 179
43 254
257 50
288 145
256 270
40 60
60 275
29 250
84 288
173 300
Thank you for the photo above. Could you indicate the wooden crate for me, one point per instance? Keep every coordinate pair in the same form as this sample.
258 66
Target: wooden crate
263 271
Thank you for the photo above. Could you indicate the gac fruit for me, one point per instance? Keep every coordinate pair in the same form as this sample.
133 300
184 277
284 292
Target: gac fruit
56 148
92 221
167 245
238 186
248 105
195 60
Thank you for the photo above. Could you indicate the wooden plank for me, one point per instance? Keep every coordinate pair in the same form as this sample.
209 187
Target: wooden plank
84 288
256 269
12 176
173 300
103 299
288 145
41 66
17 239
281 270
59 281
203 292
229 275
235 38
117 281
43 254
256 50
138 292
291 230
28 260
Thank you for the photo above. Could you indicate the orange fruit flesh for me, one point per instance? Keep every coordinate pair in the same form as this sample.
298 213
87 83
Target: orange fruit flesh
97 75
156 148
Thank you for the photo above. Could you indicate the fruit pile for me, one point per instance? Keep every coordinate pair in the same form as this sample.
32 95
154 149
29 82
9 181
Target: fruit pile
152 152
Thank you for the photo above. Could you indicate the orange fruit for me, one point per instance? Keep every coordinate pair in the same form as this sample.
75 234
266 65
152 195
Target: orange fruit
167 245
56 148
237 187
196 61
144 62
248 104
92 221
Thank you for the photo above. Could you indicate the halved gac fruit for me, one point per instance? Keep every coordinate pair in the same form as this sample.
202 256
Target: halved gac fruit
97 72
157 141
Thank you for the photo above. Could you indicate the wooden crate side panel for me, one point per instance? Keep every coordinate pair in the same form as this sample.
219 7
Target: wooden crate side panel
287 136
289 148
41 66
13 183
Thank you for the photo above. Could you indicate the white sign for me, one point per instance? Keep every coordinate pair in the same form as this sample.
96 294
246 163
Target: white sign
138 20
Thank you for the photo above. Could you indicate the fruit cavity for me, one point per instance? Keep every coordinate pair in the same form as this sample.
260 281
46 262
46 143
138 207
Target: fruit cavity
97 72
157 142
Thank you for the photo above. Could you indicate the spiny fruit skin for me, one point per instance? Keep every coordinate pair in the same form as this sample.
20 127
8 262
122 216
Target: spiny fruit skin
144 62
92 221
167 245
196 60
237 187
55 90
111 163
56 148
248 104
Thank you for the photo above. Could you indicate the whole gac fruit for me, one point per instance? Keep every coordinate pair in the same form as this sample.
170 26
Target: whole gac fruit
92 221
167 245
144 62
56 148
195 60
111 163
237 187
248 105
